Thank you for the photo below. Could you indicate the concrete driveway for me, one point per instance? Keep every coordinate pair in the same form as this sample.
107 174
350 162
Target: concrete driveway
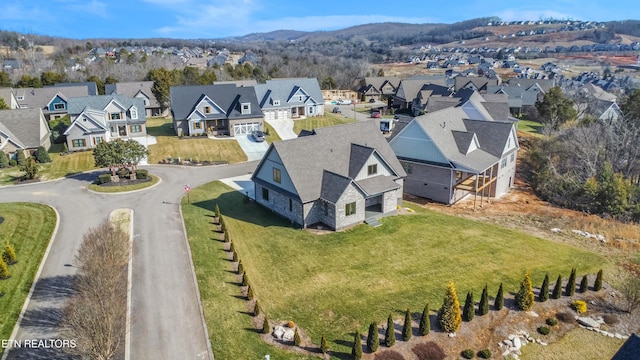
254 150
284 128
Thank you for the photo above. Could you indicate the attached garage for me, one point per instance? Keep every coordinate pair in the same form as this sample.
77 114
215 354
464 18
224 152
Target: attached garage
245 128
283 114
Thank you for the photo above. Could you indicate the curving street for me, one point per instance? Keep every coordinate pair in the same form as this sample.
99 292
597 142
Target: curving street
167 321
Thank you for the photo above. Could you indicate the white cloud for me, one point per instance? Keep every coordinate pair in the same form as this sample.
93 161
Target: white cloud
94 7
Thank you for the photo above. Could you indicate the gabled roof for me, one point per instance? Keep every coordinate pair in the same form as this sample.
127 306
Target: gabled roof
629 350
284 91
132 89
25 126
409 89
322 165
228 97
39 98
92 87
545 84
77 105
379 82
479 83
89 121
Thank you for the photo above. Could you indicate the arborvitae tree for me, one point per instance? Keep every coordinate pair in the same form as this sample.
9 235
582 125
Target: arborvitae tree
469 309
4 269
9 254
226 235
4 160
483 307
20 157
296 338
250 294
406 328
390 334
544 289
256 309
524 297
356 351
240 268
217 211
235 256
570 289
372 338
597 286
42 155
245 280
449 317
498 303
557 289
265 326
584 284
425 323
221 222
323 345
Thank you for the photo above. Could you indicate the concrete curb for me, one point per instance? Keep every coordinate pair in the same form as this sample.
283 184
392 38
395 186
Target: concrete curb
127 340
35 281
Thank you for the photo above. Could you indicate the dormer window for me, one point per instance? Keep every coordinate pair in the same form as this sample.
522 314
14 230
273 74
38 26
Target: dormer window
59 106
372 169
276 102
20 97
246 108
115 116
207 109
134 113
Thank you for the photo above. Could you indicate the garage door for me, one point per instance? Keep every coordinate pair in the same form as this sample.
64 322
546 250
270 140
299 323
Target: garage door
269 115
283 114
246 128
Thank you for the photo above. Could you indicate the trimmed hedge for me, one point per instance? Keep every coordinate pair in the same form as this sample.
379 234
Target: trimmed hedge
142 174
104 178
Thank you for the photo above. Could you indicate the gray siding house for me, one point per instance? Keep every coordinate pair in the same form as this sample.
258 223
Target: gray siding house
23 130
290 98
338 176
138 89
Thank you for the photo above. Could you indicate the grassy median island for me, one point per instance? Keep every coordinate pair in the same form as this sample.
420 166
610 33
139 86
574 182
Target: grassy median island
331 284
28 227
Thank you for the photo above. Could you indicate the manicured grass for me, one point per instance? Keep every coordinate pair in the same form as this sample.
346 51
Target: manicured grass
331 284
577 344
320 121
200 148
272 133
60 166
124 188
28 227
531 127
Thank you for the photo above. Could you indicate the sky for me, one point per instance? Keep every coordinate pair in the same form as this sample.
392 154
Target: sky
213 19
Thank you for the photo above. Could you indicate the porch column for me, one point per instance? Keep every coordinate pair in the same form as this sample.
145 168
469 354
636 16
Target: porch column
475 196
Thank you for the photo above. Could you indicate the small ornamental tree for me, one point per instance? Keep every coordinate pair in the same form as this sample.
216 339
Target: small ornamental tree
544 289
296 338
245 280
584 284
217 211
250 294
4 160
406 328
390 334
372 338
597 286
557 289
221 223
483 307
265 326
231 246
42 155
449 317
4 270
20 157
30 168
256 309
498 303
356 350
524 297
425 323
570 289
9 254
240 268
235 256
227 238
469 309
323 345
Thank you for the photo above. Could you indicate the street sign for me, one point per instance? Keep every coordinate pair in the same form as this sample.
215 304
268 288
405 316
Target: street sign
187 188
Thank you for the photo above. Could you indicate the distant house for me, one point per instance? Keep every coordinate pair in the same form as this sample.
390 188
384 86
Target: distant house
138 89
410 88
23 130
101 118
474 83
379 87
457 151
53 100
337 176
222 109
290 98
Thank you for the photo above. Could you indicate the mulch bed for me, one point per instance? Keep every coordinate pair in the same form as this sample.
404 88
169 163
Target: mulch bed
124 182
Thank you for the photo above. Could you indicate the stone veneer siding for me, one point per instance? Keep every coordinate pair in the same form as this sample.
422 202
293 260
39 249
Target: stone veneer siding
279 203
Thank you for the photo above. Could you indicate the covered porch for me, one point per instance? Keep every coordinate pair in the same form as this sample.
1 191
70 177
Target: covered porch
217 127
482 184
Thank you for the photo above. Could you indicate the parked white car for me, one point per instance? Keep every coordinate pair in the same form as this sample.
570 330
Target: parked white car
343 102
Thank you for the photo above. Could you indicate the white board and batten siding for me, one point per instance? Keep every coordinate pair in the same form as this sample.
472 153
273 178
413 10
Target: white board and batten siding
382 168
272 161
414 143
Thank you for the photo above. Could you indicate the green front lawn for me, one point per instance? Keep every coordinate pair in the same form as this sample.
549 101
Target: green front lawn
60 166
28 227
311 123
331 284
531 127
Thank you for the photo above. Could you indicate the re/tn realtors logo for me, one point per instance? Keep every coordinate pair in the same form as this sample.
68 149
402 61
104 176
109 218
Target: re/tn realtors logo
39 343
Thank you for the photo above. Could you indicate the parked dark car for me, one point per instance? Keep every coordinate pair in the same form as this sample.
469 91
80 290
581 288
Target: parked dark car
372 100
375 115
257 135
336 110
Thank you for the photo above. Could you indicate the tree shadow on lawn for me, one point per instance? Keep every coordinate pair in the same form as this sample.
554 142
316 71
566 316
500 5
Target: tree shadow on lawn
232 204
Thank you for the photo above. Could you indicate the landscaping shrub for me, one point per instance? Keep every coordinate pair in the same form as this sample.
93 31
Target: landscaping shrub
449 317
467 354
580 306
425 323
9 254
226 235
245 280
142 174
388 355
499 301
217 211
543 330
372 338
390 333
570 289
4 270
4 160
406 328
123 173
468 310
484 354
597 286
429 351
551 322
250 294
584 284
13 162
323 345
544 289
610 319
565 317
42 155
30 168
356 350
240 268
483 307
557 289
104 178
524 297
20 157
296 338
256 309
265 326
235 256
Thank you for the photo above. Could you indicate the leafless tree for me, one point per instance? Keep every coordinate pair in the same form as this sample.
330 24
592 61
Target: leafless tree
96 316
630 291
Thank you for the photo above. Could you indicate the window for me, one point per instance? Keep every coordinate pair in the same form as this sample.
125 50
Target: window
246 108
59 106
350 209
503 163
20 97
207 109
197 125
265 194
310 109
290 205
135 128
458 175
97 140
134 113
513 157
276 175
79 143
276 102
114 116
372 169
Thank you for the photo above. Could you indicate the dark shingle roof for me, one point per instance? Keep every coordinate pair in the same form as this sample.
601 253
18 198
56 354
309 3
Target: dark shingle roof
630 350
26 126
227 96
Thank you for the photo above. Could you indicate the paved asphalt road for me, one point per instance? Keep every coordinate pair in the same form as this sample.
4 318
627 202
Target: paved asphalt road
166 317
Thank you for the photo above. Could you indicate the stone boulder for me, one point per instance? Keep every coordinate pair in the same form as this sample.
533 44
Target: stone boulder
588 322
